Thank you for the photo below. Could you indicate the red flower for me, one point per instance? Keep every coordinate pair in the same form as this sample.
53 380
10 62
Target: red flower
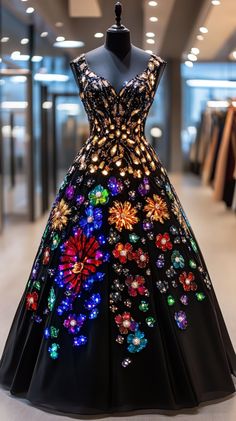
187 280
141 258
125 322
163 242
46 255
123 252
32 301
135 285
80 258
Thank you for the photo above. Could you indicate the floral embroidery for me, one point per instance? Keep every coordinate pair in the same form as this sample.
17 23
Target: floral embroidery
141 258
60 214
46 255
55 241
163 242
98 196
156 209
177 259
123 252
181 319
136 341
73 323
123 215
125 322
81 256
115 186
144 187
32 301
92 221
136 285
187 280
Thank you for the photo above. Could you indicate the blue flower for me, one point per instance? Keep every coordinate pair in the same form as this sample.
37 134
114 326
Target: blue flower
115 186
136 341
92 220
177 259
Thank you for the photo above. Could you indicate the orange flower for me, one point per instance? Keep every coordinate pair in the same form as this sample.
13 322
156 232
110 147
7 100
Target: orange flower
156 209
123 215
60 215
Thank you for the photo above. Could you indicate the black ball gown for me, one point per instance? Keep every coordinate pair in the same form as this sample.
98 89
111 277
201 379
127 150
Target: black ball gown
119 312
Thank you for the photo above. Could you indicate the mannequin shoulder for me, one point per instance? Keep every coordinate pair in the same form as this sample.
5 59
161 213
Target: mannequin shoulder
159 60
78 60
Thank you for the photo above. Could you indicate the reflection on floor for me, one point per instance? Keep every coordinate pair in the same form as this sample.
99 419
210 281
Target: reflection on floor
214 228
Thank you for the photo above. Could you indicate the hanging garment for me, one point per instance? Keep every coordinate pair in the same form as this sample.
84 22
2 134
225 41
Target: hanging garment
119 312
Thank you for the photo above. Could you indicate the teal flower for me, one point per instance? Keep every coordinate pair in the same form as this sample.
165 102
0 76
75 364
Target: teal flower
98 196
136 341
177 259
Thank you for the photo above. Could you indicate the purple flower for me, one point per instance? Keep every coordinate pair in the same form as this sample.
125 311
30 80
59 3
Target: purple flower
70 190
181 319
115 186
79 199
144 187
73 323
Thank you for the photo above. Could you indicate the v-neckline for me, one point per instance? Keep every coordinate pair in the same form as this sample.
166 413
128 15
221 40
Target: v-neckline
118 93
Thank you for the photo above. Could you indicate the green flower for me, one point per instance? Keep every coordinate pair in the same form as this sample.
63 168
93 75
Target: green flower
98 196
177 259
55 241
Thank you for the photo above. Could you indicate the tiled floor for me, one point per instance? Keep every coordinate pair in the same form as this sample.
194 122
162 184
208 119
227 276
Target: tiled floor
215 229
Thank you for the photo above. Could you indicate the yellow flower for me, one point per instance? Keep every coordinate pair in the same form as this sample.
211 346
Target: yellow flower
59 215
156 209
123 215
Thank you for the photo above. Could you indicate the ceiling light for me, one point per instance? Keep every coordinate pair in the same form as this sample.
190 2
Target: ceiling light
16 55
217 104
232 55
68 107
29 10
150 34
153 19
149 51
153 3
215 2
192 57
150 41
188 63
205 83
4 39
14 104
24 0
59 24
156 132
24 41
36 59
98 35
203 30
44 34
195 50
18 79
200 37
46 105
69 44
50 77
60 38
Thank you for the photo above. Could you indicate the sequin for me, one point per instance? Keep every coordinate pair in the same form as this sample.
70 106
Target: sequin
80 340
170 300
160 261
181 320
99 196
150 321
126 362
123 215
184 300
143 306
133 238
53 351
136 341
200 296
51 299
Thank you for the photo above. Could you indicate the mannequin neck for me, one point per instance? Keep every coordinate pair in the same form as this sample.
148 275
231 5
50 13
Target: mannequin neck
118 42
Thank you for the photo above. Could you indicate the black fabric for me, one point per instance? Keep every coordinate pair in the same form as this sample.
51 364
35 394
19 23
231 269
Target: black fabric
178 363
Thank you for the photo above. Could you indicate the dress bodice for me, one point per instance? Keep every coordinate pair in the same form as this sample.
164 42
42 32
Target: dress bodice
117 119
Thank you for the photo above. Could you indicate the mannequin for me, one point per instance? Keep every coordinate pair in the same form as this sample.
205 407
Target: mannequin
118 60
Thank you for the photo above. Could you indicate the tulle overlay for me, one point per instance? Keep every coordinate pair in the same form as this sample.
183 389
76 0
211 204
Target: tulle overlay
119 312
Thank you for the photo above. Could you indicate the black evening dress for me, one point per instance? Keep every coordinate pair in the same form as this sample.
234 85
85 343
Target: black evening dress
119 312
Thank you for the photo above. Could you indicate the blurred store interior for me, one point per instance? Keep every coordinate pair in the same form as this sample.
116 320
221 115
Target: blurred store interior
43 123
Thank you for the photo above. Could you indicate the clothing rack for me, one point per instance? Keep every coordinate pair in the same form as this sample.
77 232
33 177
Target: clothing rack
213 154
